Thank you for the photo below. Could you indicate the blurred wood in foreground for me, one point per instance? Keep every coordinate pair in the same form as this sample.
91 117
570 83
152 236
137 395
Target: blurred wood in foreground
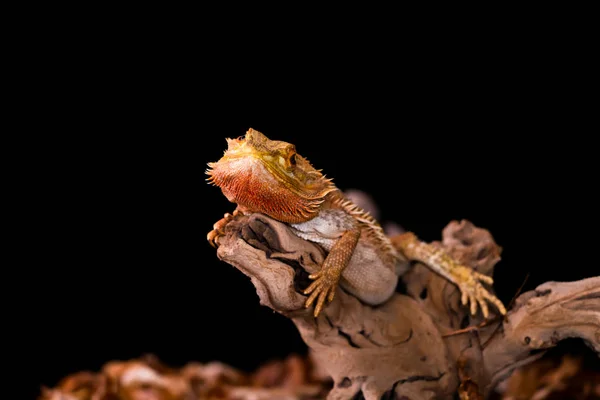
294 378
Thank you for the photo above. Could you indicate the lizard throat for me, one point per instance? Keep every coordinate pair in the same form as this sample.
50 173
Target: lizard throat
249 183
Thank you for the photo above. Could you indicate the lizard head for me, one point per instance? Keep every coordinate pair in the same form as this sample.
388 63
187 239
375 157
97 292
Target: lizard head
270 177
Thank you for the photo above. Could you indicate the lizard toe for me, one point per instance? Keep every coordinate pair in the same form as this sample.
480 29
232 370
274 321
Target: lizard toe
213 237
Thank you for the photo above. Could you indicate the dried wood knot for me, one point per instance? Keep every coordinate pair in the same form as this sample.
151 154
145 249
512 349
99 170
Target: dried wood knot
542 293
344 383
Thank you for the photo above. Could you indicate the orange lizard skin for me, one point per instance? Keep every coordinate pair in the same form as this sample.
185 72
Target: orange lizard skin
269 177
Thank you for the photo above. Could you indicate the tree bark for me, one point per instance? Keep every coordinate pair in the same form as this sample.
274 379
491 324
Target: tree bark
409 348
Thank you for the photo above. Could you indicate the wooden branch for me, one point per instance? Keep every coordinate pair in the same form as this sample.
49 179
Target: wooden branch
540 319
407 346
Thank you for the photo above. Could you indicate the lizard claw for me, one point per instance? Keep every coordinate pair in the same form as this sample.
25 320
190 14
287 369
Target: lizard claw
323 288
474 293
213 238
219 229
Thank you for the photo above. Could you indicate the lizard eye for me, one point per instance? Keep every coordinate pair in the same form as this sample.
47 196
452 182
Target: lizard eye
293 159
241 137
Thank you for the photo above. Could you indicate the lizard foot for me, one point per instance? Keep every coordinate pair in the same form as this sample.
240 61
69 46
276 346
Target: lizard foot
219 228
323 288
468 281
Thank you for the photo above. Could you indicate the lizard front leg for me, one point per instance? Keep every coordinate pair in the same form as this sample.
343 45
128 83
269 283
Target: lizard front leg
326 280
219 226
467 279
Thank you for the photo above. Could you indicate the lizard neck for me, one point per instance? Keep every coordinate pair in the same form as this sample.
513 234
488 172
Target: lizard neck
249 183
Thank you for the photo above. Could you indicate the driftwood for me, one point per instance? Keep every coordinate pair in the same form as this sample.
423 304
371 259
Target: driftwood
422 343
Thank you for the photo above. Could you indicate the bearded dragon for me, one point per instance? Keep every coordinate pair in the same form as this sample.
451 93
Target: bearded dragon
269 177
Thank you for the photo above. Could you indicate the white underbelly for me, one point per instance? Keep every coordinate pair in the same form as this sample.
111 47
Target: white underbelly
367 277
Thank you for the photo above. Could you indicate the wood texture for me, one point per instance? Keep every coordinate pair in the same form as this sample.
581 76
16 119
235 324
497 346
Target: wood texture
422 343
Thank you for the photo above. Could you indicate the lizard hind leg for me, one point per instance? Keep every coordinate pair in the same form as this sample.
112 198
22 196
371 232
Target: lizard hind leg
467 279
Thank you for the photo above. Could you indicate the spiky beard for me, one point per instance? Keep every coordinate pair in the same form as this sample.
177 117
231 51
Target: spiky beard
249 183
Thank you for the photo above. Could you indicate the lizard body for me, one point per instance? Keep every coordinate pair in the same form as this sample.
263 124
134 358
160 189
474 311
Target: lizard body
270 177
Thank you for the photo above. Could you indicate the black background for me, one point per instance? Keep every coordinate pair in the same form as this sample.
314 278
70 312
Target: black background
118 209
